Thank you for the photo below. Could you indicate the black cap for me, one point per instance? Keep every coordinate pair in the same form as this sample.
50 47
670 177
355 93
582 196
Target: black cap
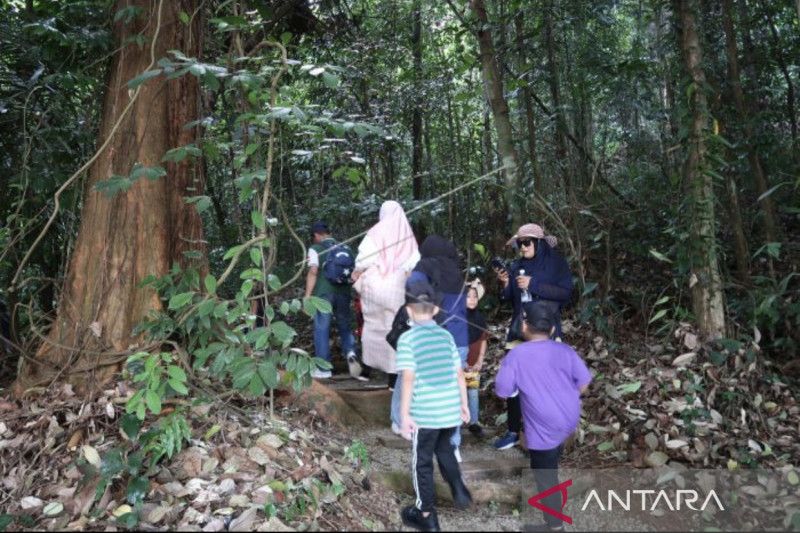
538 316
320 227
419 292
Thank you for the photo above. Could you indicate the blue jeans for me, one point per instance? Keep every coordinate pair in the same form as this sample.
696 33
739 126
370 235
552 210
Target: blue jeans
322 326
455 440
396 395
472 401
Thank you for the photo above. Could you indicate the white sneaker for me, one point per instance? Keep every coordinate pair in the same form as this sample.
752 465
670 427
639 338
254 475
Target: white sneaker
457 453
321 374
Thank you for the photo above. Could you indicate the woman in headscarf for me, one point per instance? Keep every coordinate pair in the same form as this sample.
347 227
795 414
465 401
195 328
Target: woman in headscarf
386 255
439 266
541 274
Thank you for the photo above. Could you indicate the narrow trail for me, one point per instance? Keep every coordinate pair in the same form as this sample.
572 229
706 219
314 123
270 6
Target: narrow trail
500 481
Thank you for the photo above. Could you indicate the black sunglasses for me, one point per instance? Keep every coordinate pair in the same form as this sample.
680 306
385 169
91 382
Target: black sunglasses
524 242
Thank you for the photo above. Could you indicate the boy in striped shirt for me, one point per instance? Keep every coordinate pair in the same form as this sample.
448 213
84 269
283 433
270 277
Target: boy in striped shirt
433 405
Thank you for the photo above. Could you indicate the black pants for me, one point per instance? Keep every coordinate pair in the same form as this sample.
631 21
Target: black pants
426 443
514 420
545 471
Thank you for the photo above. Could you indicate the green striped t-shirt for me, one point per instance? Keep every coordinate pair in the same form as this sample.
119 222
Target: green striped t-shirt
430 352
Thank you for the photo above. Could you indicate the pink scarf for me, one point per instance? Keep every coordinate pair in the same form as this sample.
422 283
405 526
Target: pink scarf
393 237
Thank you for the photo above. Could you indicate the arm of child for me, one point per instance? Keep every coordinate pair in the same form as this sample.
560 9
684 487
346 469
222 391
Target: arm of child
481 353
407 367
462 389
505 384
581 375
407 425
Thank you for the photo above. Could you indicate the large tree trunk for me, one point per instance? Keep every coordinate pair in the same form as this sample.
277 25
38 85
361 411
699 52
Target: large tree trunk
734 78
133 234
416 113
706 284
493 87
527 100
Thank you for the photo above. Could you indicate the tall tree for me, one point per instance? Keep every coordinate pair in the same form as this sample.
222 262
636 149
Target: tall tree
759 177
493 87
124 238
416 113
705 282
527 101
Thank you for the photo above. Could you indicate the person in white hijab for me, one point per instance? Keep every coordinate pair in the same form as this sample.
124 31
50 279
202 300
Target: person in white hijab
386 255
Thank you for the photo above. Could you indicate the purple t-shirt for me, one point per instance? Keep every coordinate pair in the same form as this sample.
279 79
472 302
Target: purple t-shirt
548 376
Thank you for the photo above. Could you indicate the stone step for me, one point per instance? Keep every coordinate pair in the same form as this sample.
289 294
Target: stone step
493 469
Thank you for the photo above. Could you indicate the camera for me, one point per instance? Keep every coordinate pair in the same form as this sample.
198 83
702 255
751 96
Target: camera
498 263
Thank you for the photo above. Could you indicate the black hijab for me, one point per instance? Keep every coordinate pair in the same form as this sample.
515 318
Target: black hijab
440 263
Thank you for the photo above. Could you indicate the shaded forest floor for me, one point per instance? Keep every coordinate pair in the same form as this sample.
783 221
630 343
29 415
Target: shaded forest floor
328 461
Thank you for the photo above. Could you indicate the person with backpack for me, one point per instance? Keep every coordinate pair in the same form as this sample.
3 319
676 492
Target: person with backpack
330 267
386 255
541 274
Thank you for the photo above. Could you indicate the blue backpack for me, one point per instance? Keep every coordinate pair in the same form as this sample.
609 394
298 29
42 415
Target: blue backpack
338 264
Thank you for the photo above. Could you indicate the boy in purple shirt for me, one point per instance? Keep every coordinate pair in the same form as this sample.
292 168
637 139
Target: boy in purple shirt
550 377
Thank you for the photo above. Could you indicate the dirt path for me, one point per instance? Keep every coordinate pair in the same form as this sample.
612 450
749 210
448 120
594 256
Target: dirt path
501 481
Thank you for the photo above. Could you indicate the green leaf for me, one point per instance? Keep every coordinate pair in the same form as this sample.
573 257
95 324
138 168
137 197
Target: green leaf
5 521
331 80
255 256
256 386
661 313
184 17
772 249
274 282
232 252
283 332
180 300
662 300
590 287
180 153
258 219
130 425
629 387
137 489
605 446
252 273
113 185
151 173
128 520
269 374
211 283
176 372
321 304
143 77
660 256
178 387
153 401
202 203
